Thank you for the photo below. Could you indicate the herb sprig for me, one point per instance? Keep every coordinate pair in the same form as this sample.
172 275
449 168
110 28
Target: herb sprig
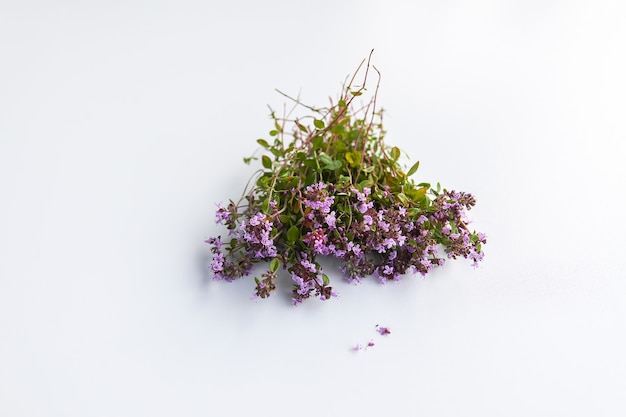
329 186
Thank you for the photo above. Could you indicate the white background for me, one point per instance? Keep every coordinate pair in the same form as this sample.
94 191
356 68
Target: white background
122 123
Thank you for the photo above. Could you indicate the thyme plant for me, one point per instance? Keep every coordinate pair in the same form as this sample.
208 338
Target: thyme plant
330 187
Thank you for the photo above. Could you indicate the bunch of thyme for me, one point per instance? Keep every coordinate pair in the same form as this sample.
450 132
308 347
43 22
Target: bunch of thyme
336 190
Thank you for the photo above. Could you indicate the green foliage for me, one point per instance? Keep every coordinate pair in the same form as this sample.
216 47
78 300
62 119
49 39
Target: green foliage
344 146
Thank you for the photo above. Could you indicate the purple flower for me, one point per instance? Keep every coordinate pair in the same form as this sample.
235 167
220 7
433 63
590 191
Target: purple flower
215 241
298 280
257 233
221 215
431 249
303 286
317 198
316 239
383 330
331 220
363 207
308 265
362 204
217 266
356 249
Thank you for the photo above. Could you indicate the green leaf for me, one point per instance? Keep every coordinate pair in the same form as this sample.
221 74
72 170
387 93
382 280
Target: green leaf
310 163
414 212
265 205
395 153
413 169
419 194
274 265
366 184
342 103
350 158
277 152
293 234
339 147
325 159
311 177
328 162
338 130
325 279
317 142
403 198
273 132
263 143
319 123
353 158
267 162
301 126
262 181
333 166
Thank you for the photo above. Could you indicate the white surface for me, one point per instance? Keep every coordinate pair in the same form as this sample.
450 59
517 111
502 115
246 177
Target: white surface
123 123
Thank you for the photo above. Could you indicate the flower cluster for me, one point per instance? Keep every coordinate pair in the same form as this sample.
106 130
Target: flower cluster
256 235
336 190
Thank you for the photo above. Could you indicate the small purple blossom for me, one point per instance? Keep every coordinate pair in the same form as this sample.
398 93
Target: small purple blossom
256 232
222 216
317 198
331 220
316 240
308 265
383 330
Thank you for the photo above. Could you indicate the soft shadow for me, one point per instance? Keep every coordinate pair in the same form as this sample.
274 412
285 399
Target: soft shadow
203 262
